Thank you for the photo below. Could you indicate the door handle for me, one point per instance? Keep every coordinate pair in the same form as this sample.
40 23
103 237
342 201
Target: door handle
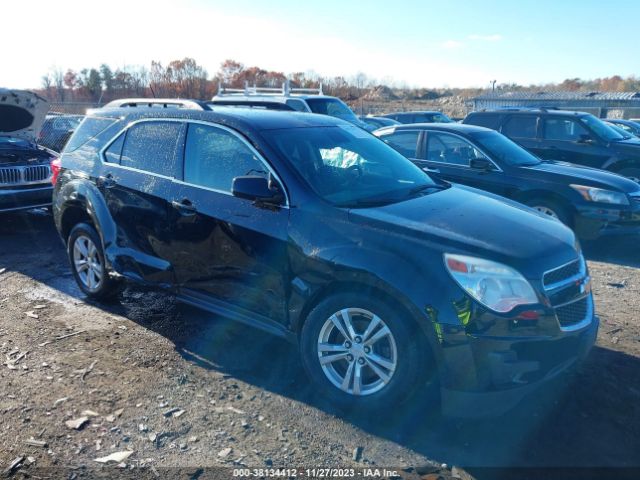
184 206
106 181
431 170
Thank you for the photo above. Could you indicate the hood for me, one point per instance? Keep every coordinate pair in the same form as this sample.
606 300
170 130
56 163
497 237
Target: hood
465 220
591 177
627 148
21 114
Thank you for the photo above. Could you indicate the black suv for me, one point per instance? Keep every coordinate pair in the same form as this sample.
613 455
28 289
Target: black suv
309 228
573 137
591 201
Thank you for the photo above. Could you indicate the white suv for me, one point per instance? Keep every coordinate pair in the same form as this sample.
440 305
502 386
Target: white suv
310 100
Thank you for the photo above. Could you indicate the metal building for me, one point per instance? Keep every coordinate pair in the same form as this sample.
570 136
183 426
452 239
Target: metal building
601 104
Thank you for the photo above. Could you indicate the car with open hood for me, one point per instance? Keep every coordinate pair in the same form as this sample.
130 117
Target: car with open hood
25 170
305 226
593 202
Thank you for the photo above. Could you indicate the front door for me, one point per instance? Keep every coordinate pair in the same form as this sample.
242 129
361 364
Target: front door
564 139
227 248
450 155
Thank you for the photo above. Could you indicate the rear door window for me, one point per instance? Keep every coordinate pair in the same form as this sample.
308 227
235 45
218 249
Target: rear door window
521 126
487 120
152 147
405 142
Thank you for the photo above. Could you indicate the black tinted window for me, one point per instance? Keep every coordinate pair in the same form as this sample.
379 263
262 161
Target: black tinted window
403 142
151 146
112 154
520 126
483 120
563 129
214 157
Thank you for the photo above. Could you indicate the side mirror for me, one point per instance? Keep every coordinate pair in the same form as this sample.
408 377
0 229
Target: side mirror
258 189
482 164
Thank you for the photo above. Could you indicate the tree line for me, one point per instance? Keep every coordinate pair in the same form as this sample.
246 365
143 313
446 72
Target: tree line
185 78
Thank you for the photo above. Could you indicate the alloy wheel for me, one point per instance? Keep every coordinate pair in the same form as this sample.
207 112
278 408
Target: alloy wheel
357 351
87 262
546 211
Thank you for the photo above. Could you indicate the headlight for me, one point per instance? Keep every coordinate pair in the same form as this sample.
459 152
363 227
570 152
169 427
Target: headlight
493 284
593 194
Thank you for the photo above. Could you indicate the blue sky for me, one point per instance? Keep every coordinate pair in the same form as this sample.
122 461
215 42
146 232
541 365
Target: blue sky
418 43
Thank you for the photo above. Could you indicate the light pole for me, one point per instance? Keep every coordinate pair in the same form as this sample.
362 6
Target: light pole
493 85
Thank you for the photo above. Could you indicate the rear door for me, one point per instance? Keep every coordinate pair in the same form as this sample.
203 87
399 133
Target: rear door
137 175
523 129
225 248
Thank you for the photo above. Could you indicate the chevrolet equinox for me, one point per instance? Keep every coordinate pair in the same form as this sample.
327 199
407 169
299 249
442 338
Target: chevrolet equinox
310 228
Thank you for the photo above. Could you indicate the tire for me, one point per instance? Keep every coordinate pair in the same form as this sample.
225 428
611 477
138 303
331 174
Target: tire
552 208
86 256
632 173
405 362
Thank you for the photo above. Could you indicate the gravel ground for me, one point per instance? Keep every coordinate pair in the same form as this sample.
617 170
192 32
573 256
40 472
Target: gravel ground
182 390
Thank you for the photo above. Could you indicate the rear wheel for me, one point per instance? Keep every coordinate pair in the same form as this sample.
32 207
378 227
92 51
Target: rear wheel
361 353
551 208
632 173
84 248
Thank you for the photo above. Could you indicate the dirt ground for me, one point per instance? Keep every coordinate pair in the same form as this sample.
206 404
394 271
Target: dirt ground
184 391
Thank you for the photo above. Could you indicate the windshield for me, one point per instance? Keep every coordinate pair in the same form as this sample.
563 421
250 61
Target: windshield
601 129
349 167
503 149
332 107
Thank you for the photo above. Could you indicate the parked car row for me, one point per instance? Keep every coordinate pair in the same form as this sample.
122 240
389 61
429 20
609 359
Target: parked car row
401 260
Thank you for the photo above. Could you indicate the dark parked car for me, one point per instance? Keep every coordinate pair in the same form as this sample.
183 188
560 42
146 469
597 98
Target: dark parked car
378 122
309 228
573 137
419 117
25 172
57 129
628 126
589 200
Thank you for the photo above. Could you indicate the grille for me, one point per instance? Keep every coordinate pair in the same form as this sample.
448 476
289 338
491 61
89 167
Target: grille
573 313
18 175
37 173
562 273
10 176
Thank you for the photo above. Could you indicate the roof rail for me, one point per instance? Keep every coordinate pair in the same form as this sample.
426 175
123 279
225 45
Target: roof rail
155 103
286 90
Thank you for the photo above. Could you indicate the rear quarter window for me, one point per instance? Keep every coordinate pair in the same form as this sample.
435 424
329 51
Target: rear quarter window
487 120
90 128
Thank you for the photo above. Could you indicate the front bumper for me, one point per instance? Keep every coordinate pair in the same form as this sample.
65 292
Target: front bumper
16 198
591 222
514 368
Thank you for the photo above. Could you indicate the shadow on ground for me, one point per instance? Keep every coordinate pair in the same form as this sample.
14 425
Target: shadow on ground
589 418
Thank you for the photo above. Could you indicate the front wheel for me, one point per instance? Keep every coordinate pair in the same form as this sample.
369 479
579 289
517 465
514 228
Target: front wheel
86 256
551 208
361 353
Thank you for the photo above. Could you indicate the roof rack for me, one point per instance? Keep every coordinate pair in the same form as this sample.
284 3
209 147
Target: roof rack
286 90
155 103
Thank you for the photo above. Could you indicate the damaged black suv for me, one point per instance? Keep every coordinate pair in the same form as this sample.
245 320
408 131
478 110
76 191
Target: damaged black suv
309 228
